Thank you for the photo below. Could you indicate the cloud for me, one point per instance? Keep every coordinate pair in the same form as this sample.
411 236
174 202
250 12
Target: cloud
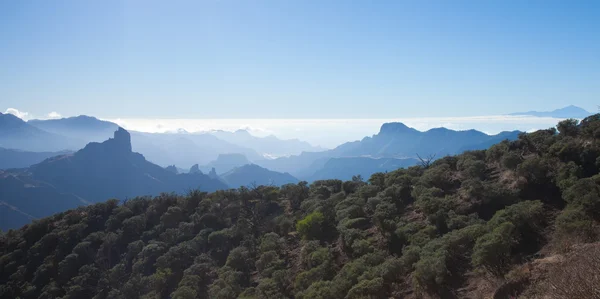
20 114
53 115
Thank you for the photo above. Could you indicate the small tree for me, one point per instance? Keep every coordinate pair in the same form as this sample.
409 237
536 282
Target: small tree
310 228
492 250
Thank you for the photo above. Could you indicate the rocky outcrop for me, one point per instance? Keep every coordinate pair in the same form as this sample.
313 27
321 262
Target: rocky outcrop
195 169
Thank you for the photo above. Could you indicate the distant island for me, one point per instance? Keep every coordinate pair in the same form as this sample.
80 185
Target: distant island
566 112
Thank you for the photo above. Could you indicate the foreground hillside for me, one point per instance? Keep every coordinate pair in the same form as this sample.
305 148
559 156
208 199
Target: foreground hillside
518 219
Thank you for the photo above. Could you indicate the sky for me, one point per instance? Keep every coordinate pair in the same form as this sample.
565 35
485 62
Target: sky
297 59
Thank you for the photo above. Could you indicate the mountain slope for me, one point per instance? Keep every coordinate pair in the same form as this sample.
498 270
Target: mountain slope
252 174
23 199
10 158
345 168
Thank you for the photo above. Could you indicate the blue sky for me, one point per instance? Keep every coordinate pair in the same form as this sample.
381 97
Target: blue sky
298 58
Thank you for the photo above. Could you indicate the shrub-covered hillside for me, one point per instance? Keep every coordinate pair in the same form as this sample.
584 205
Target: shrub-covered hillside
462 226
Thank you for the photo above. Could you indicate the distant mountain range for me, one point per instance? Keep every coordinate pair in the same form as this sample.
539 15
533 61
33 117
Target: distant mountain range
180 148
225 163
112 169
84 128
18 134
270 145
96 173
251 174
566 112
394 141
185 149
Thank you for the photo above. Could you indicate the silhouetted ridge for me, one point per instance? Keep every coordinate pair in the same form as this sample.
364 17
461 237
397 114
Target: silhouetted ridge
119 144
195 169
395 128
10 121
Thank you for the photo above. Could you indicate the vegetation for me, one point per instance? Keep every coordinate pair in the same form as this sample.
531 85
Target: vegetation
424 231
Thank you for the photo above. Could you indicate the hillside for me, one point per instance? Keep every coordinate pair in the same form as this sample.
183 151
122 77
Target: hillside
10 158
98 172
509 221
346 168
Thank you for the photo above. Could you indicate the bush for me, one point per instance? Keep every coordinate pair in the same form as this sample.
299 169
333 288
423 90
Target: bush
311 227
493 250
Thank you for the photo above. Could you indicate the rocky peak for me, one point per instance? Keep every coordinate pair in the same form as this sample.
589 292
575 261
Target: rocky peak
121 140
195 169
118 146
172 169
395 128
213 173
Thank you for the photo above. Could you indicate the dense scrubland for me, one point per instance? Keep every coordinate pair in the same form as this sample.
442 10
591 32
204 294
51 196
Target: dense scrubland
519 218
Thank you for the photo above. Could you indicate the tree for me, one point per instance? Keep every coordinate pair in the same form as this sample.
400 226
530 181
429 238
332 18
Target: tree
311 227
493 250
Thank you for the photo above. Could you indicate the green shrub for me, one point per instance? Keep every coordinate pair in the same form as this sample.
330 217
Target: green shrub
311 227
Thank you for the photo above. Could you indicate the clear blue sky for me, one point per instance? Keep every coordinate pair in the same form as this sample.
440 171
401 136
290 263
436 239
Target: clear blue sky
298 58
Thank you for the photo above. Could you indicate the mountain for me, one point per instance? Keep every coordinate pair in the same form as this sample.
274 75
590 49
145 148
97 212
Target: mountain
226 162
101 171
253 174
179 148
11 158
83 127
23 199
394 140
18 134
345 168
519 220
398 140
195 169
267 146
111 170
172 168
566 112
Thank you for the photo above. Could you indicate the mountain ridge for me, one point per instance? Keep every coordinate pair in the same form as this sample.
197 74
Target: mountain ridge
98 171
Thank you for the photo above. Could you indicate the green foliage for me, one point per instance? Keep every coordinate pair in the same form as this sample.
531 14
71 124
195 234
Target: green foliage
493 250
311 226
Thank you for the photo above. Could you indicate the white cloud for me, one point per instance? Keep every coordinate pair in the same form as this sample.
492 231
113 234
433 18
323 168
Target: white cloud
53 115
20 114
